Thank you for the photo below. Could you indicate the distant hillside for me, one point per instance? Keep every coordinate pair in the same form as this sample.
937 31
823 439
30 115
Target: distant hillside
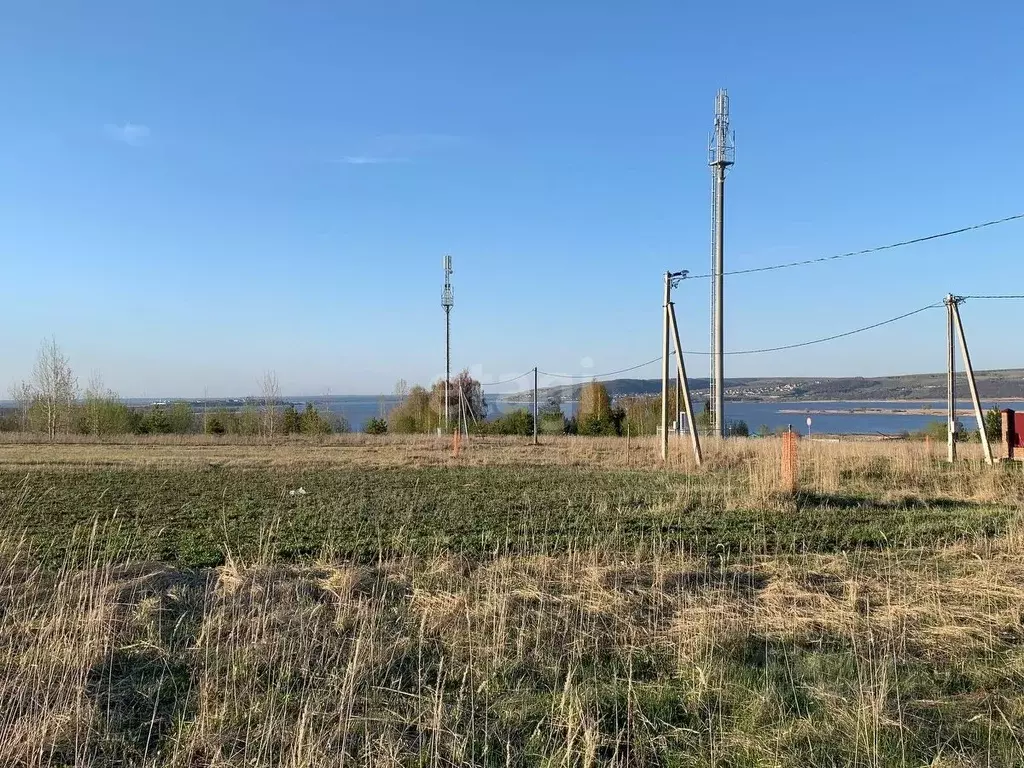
1007 383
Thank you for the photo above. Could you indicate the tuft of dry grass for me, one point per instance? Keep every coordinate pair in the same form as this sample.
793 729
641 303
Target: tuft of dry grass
568 605
899 657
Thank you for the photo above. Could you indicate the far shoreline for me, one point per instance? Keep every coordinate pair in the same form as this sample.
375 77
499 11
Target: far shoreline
529 399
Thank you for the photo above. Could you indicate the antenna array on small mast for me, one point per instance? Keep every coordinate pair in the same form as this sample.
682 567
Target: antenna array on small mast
447 302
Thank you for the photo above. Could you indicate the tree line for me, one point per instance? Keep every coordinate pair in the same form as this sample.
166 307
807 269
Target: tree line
52 403
421 411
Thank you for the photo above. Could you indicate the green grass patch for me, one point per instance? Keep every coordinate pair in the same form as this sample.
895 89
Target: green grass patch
196 517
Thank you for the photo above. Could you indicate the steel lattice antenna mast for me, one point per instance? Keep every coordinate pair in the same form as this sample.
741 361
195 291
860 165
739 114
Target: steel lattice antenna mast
721 155
447 302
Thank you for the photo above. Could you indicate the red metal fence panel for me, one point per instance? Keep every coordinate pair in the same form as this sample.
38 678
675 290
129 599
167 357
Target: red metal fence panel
1013 434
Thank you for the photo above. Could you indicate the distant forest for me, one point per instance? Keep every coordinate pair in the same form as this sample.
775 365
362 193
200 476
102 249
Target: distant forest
1005 384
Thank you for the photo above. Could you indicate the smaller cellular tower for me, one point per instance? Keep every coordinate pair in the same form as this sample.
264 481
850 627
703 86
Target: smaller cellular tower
447 302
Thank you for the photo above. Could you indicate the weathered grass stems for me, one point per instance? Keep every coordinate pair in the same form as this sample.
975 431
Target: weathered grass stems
632 653
588 658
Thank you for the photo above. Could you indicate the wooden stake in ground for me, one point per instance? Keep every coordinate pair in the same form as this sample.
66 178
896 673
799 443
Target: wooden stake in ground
789 461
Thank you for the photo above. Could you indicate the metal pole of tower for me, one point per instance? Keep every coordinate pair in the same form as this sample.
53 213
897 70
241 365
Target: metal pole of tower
535 408
950 384
447 362
447 301
723 155
713 285
719 296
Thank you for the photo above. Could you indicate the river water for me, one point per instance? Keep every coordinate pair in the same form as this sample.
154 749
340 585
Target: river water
844 418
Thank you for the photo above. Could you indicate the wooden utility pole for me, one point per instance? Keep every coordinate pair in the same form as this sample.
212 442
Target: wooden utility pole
682 385
664 368
978 414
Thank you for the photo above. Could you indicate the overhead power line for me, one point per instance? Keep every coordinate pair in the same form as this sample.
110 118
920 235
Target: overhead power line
866 251
508 381
754 351
599 375
1004 296
831 338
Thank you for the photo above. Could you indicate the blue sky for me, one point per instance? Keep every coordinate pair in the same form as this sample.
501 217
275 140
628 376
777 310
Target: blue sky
193 193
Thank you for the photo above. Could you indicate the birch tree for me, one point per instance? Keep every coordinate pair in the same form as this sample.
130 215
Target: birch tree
23 395
271 390
55 388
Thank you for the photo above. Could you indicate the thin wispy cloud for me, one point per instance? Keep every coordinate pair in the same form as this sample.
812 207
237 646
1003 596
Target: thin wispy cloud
415 143
371 160
401 148
133 134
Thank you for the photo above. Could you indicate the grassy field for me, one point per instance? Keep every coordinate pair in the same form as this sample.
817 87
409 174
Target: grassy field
165 603
195 505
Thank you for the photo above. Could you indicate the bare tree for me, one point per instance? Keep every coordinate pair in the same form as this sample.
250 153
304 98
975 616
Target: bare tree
94 397
271 390
23 395
55 388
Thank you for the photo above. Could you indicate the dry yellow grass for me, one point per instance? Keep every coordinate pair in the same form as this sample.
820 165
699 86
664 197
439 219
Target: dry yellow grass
644 652
589 658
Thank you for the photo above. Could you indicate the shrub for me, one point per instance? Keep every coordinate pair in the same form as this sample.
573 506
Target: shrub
221 422
155 421
248 421
182 419
9 421
737 428
337 422
593 426
313 423
290 421
994 424
551 422
936 430
517 422
414 414
376 427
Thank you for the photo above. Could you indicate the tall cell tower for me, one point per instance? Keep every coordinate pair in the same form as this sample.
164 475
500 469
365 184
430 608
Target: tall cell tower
447 302
721 155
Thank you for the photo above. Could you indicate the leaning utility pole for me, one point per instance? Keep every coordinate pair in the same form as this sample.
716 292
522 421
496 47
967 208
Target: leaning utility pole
971 383
682 385
721 155
447 302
